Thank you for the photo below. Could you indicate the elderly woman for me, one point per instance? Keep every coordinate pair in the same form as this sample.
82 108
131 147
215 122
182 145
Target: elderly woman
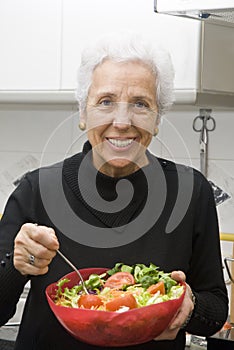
114 201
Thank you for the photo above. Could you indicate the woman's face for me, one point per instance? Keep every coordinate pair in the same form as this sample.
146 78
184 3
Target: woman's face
120 116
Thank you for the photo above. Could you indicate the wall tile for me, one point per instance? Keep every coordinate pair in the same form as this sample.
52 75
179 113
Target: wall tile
178 137
15 164
35 128
50 133
221 140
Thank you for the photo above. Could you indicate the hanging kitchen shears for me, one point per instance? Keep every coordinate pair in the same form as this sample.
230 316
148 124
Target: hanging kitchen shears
203 124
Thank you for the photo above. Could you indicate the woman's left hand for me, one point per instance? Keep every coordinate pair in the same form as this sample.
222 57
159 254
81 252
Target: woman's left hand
184 312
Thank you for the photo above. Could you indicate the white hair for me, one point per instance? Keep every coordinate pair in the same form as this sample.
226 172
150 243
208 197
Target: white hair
122 48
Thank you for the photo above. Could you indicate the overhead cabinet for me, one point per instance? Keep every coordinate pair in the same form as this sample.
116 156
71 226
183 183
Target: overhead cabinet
42 43
205 9
215 66
30 42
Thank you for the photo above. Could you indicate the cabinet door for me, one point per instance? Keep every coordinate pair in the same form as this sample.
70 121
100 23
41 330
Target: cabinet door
85 20
30 35
218 58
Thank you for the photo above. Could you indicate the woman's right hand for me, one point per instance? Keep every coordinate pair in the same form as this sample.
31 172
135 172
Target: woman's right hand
35 246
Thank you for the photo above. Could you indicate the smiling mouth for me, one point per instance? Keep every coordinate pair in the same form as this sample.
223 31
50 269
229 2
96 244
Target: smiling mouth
121 143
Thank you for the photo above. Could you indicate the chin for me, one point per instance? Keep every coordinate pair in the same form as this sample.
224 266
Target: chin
119 167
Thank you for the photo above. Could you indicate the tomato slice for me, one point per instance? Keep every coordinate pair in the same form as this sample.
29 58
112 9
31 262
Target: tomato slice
154 288
124 300
120 279
89 301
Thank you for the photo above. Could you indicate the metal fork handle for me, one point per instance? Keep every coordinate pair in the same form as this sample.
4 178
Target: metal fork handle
75 269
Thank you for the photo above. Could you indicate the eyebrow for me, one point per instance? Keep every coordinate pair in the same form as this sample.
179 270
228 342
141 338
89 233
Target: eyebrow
143 97
134 98
105 93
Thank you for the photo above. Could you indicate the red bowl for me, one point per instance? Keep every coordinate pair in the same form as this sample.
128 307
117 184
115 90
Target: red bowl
105 328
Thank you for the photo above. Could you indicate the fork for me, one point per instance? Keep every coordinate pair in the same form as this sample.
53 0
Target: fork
75 269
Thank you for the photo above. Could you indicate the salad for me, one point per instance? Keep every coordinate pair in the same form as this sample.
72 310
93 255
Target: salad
120 289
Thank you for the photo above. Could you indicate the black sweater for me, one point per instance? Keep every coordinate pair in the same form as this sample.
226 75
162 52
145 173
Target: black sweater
172 223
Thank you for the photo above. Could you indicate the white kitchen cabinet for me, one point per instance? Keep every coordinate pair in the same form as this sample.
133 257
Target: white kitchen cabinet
202 53
189 6
42 41
217 71
30 42
86 20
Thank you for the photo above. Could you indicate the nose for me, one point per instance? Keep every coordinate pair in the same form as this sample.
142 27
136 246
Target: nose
122 117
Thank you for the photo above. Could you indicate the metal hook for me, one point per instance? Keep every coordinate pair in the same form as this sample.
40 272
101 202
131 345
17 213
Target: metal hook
204 123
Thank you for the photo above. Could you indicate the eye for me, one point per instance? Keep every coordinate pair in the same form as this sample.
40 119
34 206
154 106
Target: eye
141 104
106 103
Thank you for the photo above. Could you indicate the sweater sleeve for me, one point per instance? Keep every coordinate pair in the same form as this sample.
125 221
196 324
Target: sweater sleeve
206 275
18 210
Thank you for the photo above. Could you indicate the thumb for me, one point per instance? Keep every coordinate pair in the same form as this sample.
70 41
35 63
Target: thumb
178 276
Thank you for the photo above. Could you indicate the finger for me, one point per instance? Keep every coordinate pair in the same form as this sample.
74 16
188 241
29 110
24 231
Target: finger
178 276
184 312
35 271
39 251
42 235
179 320
28 264
168 334
23 264
28 269
38 262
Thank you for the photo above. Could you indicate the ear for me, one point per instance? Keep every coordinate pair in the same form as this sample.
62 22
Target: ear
82 121
83 117
156 127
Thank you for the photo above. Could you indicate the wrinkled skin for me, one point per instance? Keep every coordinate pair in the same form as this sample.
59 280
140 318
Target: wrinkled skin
186 308
39 241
